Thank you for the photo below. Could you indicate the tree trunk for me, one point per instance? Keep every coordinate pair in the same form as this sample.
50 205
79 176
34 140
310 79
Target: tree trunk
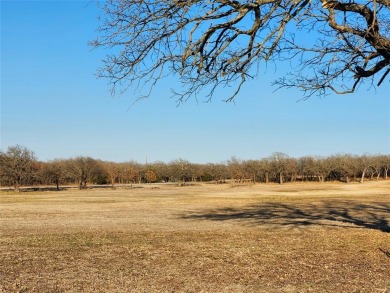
364 173
17 187
83 184
280 178
58 185
266 177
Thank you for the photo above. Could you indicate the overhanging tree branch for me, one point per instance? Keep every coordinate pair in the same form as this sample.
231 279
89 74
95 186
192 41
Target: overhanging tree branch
210 45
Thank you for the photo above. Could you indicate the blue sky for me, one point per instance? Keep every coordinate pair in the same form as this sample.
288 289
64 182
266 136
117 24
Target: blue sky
52 103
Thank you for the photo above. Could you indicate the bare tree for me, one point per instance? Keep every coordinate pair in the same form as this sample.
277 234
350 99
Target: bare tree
53 172
307 168
345 166
219 43
129 173
83 170
179 171
265 169
113 171
292 169
385 162
217 172
324 168
236 169
161 170
252 169
366 165
17 166
279 163
196 171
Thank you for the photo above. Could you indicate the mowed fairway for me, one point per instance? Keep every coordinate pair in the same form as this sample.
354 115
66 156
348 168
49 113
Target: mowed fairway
299 237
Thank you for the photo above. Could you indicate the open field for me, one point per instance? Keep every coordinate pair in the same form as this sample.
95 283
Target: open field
300 237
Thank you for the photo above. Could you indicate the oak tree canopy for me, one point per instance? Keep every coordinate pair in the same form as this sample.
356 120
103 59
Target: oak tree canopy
332 46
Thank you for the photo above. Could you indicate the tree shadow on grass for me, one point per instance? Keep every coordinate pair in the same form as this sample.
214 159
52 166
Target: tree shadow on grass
339 214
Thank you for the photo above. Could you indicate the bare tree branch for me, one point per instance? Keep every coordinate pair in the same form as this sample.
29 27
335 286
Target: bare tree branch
209 45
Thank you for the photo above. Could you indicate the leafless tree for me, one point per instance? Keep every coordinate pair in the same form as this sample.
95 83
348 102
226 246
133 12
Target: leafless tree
366 165
129 172
209 45
308 168
265 169
292 169
279 162
252 169
83 170
217 172
112 171
323 168
53 172
345 167
161 170
385 162
17 166
179 171
236 169
196 171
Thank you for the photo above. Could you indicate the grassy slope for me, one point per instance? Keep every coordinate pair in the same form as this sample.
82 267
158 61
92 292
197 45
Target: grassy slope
210 238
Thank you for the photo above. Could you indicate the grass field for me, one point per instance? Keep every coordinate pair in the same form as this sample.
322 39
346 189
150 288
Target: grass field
300 237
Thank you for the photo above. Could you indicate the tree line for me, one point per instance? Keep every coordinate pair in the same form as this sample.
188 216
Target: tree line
20 167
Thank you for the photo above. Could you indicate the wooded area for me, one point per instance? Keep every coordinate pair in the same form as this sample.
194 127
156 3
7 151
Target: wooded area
19 167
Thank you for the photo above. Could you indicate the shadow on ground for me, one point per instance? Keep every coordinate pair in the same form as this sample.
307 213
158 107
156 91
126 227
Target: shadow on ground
339 214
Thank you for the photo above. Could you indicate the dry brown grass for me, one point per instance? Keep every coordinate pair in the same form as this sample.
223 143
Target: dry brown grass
308 237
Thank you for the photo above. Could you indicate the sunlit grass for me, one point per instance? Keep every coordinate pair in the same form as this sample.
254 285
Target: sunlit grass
205 238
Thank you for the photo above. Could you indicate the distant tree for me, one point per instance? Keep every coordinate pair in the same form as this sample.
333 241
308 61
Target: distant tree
236 169
217 172
150 176
18 165
265 168
323 168
345 166
161 170
366 165
385 163
291 167
279 163
196 171
83 170
53 172
378 166
112 170
251 169
219 43
129 172
179 170
308 168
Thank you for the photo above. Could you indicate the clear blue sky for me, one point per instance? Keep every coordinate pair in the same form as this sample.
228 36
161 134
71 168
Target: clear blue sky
52 103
